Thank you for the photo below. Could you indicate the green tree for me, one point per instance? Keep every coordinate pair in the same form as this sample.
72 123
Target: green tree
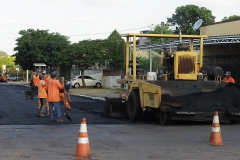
8 61
115 48
157 30
84 54
233 17
2 54
39 46
143 61
186 16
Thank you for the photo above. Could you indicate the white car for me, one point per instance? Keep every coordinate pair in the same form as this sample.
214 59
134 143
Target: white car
10 78
76 81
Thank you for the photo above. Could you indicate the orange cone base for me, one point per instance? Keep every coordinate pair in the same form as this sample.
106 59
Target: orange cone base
83 151
216 139
88 158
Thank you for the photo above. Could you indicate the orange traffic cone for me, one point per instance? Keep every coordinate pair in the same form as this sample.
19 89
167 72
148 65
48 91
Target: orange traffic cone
83 147
216 136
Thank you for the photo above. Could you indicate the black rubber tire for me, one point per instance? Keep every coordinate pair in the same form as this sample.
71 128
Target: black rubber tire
98 85
134 109
76 85
164 118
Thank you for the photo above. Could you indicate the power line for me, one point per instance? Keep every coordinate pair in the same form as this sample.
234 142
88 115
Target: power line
8 33
88 33
106 32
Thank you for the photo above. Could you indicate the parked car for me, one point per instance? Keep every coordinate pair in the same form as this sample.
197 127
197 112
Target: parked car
76 81
17 78
10 78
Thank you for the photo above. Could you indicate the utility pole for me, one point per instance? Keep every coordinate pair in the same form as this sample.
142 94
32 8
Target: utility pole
162 25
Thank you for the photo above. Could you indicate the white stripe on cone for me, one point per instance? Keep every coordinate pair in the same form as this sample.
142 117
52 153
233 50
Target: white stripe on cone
83 128
215 119
216 129
83 141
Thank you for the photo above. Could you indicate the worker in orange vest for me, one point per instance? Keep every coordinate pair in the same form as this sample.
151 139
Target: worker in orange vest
36 81
228 77
65 95
48 76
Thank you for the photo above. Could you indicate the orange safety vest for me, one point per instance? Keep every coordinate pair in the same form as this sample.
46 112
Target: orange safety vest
228 79
65 100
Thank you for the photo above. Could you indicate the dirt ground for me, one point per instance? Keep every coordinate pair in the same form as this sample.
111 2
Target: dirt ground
95 92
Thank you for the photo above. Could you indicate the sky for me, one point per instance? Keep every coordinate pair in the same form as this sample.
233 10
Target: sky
94 19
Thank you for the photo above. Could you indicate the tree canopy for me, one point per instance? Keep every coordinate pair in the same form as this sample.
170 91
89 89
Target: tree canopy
186 16
233 17
84 54
115 47
157 30
9 62
39 46
2 54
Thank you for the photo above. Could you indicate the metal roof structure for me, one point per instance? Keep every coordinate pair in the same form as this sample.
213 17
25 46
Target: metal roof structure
226 39
39 64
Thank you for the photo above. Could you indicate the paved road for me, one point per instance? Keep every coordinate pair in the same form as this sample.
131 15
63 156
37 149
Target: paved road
16 109
25 136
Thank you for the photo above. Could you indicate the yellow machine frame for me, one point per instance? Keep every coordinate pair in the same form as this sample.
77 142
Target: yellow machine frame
150 95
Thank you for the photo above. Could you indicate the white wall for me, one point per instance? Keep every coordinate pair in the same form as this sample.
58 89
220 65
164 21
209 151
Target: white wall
97 76
111 82
94 73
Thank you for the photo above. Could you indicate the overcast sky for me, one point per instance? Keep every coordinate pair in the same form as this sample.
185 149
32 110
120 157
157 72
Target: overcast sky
89 19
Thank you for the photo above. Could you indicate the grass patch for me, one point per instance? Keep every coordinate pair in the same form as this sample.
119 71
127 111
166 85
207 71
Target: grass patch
87 91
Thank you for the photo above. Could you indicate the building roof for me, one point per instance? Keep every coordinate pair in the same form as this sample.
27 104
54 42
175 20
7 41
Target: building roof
227 39
163 35
220 22
39 64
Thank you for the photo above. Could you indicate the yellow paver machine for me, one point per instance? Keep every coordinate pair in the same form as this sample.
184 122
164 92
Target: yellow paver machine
184 92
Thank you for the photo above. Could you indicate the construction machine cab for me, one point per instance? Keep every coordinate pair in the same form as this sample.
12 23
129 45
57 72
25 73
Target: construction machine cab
181 64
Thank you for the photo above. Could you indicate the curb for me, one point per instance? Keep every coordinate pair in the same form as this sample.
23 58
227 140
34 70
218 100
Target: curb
91 97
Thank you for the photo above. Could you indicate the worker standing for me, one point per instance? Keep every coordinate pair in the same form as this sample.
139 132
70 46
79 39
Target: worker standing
65 96
53 92
32 85
36 81
42 95
48 76
228 77
67 86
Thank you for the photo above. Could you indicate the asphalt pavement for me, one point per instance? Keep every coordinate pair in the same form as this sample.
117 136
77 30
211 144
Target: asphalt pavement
16 108
79 102
25 136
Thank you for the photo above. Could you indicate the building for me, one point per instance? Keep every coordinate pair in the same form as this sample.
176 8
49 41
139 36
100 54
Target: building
222 48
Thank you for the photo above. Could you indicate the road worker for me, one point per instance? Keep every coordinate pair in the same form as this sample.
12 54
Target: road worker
48 76
65 96
228 77
36 81
42 95
53 92
32 83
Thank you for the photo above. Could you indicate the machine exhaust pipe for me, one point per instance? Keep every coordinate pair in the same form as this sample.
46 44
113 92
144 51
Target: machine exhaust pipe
180 35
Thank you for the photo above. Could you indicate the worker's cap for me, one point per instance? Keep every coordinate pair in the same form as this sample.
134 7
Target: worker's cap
228 73
54 74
